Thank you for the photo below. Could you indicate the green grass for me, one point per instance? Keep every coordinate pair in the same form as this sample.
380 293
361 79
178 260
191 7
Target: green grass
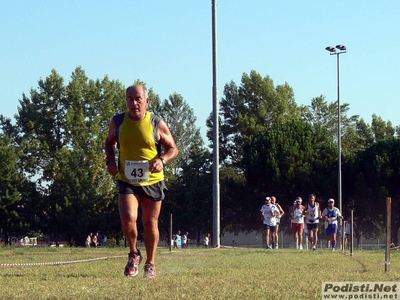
194 273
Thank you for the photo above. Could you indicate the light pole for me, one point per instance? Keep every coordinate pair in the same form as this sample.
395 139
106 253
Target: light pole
216 187
339 49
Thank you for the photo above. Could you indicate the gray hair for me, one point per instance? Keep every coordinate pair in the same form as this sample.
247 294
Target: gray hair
137 85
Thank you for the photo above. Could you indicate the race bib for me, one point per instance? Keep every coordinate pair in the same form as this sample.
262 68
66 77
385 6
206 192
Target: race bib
312 217
332 220
137 171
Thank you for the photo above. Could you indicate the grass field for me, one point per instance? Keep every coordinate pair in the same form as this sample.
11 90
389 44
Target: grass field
193 273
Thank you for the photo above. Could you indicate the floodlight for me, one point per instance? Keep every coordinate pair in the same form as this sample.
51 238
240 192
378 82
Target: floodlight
331 49
341 47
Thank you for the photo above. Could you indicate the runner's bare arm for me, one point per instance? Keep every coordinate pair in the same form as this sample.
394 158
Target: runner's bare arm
109 147
281 211
167 140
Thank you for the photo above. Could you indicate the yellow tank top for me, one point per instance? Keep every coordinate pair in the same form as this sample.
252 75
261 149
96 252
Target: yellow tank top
137 148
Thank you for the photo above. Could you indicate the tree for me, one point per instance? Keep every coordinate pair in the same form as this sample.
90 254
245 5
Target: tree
11 183
188 176
291 159
239 205
41 122
93 103
244 110
190 199
326 114
65 129
382 130
365 134
182 122
376 174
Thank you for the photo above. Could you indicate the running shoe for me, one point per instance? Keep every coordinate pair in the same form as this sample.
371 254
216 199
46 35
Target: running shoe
149 271
313 247
301 247
132 266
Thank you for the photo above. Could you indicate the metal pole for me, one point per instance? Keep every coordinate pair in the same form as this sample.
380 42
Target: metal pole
216 189
343 236
339 143
352 232
170 233
339 49
388 232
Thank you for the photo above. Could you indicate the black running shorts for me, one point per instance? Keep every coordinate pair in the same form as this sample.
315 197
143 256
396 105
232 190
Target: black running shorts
155 191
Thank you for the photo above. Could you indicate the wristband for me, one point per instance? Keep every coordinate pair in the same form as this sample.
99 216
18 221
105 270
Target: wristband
163 161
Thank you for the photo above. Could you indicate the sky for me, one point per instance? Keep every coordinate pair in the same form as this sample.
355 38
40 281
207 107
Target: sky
168 45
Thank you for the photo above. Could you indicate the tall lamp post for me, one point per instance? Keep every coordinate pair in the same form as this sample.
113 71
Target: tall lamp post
339 49
216 187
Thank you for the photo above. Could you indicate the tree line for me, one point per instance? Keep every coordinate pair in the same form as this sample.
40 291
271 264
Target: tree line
54 181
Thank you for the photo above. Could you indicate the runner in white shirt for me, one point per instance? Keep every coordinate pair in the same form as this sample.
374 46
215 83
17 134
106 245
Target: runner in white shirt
331 215
312 216
268 216
278 220
297 216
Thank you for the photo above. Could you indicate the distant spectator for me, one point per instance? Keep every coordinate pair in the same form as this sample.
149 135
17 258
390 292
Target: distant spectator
347 238
206 240
393 246
88 241
185 240
177 238
234 245
100 239
95 238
